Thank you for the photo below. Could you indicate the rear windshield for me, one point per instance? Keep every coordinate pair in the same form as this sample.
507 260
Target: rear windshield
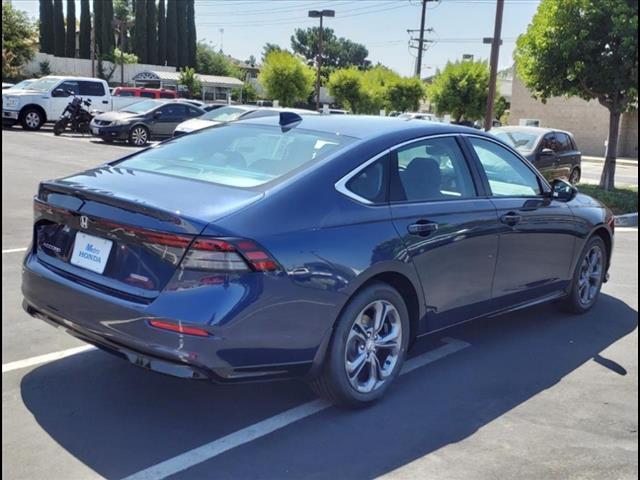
237 155
524 141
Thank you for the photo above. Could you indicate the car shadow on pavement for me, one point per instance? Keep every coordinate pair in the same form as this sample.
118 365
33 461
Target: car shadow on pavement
118 419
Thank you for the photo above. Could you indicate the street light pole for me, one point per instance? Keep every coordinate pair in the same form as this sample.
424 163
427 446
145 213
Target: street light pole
320 14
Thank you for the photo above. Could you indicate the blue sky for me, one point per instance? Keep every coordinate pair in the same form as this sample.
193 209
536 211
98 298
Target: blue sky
381 25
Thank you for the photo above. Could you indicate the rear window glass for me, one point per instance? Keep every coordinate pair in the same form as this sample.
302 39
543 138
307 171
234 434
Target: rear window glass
148 94
94 89
238 155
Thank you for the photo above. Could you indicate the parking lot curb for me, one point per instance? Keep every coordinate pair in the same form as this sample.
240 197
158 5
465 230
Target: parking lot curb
619 161
628 220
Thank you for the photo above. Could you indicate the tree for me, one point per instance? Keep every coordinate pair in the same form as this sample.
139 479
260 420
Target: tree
286 78
191 33
336 52
268 48
47 42
97 22
375 82
500 106
190 81
584 48
152 32
345 85
59 36
140 31
85 29
70 44
181 19
461 90
18 40
246 94
210 62
404 94
162 34
106 29
172 33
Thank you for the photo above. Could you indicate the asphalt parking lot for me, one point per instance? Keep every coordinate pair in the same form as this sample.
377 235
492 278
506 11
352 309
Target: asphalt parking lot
531 395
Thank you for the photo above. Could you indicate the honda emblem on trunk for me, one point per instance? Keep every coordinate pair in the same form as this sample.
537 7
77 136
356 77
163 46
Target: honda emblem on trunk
84 221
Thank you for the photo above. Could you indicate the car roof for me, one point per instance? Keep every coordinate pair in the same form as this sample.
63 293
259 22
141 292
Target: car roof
532 130
70 77
369 126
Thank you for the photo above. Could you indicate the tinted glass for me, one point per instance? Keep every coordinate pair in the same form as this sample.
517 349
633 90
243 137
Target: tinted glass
125 93
525 141
167 95
238 155
148 94
564 143
142 107
194 112
93 89
224 114
433 169
174 110
370 183
507 174
549 141
69 85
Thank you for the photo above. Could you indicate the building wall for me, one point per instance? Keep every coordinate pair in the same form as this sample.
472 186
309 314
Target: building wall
588 121
81 67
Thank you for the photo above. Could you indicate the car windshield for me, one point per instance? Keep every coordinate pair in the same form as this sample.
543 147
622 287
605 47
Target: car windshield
524 141
142 107
224 114
44 84
237 155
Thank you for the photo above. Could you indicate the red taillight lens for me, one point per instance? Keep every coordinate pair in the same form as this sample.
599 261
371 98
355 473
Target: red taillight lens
228 255
177 327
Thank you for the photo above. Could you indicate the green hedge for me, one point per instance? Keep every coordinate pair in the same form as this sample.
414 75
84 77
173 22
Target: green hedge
620 201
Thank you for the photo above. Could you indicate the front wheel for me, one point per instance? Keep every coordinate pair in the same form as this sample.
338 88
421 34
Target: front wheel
588 277
60 126
138 136
31 119
367 349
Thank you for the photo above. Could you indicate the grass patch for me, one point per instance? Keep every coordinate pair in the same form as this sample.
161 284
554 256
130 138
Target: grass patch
620 201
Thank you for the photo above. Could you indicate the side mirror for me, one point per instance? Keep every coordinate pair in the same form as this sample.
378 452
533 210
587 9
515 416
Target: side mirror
562 190
60 92
546 152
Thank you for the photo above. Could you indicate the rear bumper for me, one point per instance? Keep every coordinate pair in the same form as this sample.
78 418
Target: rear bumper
247 341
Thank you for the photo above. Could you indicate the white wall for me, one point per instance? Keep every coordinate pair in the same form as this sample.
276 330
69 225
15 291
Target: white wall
82 67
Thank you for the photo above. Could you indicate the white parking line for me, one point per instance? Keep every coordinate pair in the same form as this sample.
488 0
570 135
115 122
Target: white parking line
265 427
49 357
14 250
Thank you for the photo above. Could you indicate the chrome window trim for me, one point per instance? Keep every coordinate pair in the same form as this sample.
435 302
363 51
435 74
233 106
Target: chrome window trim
341 185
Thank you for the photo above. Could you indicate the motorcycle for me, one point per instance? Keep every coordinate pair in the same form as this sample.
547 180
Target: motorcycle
76 115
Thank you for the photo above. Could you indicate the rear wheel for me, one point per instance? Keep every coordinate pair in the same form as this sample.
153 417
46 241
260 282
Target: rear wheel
588 277
367 350
574 177
139 136
31 119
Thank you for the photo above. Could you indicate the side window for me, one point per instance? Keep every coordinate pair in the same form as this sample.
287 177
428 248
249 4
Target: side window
564 142
370 183
92 89
173 111
194 112
433 169
166 95
148 94
70 85
508 176
549 141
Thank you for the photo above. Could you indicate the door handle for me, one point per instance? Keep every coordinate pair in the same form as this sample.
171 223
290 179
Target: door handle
511 218
105 101
422 228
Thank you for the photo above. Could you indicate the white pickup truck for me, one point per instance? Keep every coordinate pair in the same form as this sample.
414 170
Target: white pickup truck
45 99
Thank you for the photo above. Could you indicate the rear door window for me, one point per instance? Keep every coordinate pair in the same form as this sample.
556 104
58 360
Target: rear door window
148 94
564 142
91 89
371 183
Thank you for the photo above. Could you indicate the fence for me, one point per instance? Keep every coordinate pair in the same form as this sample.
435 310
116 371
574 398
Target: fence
81 67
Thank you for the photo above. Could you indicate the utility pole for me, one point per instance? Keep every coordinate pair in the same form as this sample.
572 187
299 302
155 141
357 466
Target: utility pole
495 52
320 14
121 27
93 45
421 39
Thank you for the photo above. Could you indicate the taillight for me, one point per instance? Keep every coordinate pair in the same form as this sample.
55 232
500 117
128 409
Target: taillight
228 255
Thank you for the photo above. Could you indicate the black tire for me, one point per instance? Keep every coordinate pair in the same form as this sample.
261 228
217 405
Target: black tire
139 136
332 382
59 127
31 119
575 302
574 176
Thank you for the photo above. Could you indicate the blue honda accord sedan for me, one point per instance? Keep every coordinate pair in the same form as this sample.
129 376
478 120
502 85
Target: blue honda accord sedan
316 247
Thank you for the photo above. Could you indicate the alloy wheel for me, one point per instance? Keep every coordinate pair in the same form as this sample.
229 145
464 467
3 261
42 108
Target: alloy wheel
139 136
32 119
590 278
373 346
